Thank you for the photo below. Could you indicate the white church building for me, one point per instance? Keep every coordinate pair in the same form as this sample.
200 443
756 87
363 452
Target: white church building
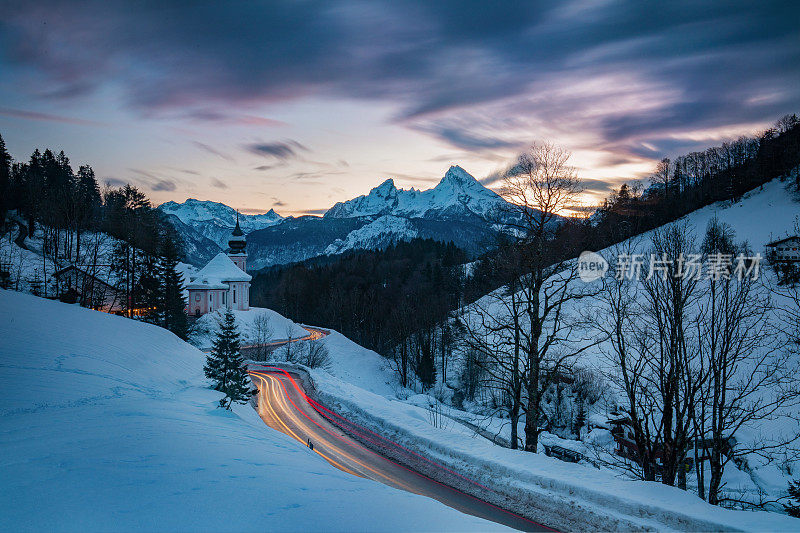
223 282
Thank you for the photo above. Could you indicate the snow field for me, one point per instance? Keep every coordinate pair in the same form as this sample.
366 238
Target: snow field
108 424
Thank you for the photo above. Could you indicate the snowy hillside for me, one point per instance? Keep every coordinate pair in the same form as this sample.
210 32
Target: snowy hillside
458 192
215 221
761 216
109 425
362 384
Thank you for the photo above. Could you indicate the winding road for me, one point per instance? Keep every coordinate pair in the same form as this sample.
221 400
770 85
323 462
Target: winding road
284 406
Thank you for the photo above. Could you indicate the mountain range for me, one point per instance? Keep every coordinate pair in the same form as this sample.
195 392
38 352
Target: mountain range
457 209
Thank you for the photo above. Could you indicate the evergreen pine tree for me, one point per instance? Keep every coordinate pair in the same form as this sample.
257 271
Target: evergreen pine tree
172 292
426 371
225 365
5 275
793 507
5 180
149 294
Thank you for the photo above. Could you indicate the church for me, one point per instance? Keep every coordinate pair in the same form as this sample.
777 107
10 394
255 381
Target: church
224 281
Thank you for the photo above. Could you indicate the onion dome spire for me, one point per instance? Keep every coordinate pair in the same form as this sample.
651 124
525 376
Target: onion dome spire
237 241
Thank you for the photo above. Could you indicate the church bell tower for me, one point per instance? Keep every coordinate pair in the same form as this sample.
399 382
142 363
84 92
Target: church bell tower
237 244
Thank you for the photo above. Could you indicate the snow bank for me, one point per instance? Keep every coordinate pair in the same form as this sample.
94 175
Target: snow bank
107 424
559 494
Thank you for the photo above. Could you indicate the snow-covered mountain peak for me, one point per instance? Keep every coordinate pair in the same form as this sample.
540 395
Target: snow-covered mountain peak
385 189
458 193
458 177
193 210
215 220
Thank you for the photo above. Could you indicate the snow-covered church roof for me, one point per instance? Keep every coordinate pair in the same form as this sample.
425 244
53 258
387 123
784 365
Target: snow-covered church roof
217 272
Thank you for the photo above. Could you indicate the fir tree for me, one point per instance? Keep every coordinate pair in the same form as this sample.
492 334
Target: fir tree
793 507
148 296
5 180
172 292
225 365
426 371
5 276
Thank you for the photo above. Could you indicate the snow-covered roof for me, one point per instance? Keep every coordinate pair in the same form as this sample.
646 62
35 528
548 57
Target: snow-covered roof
205 284
781 241
219 270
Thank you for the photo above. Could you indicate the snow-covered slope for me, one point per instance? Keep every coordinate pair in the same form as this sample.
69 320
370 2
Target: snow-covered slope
764 214
362 384
215 221
107 424
379 233
456 194
205 328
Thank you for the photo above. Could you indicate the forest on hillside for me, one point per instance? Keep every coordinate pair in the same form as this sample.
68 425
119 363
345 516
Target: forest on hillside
379 298
113 235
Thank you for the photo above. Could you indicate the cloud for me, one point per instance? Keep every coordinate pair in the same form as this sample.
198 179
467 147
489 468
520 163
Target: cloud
425 57
279 150
33 115
314 211
164 185
187 171
312 175
602 76
495 178
213 151
278 203
144 173
460 136
219 184
235 119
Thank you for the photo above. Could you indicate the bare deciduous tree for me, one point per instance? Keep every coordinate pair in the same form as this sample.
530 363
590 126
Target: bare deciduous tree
263 335
315 355
540 187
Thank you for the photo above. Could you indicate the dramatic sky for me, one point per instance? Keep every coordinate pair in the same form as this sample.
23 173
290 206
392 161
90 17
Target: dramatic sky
296 105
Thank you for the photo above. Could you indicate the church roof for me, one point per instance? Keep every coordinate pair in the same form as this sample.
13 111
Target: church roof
219 270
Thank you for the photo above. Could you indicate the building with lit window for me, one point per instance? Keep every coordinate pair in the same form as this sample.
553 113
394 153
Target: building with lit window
223 282
785 250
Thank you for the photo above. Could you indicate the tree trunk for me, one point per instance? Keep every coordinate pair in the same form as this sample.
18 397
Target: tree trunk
716 476
532 413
